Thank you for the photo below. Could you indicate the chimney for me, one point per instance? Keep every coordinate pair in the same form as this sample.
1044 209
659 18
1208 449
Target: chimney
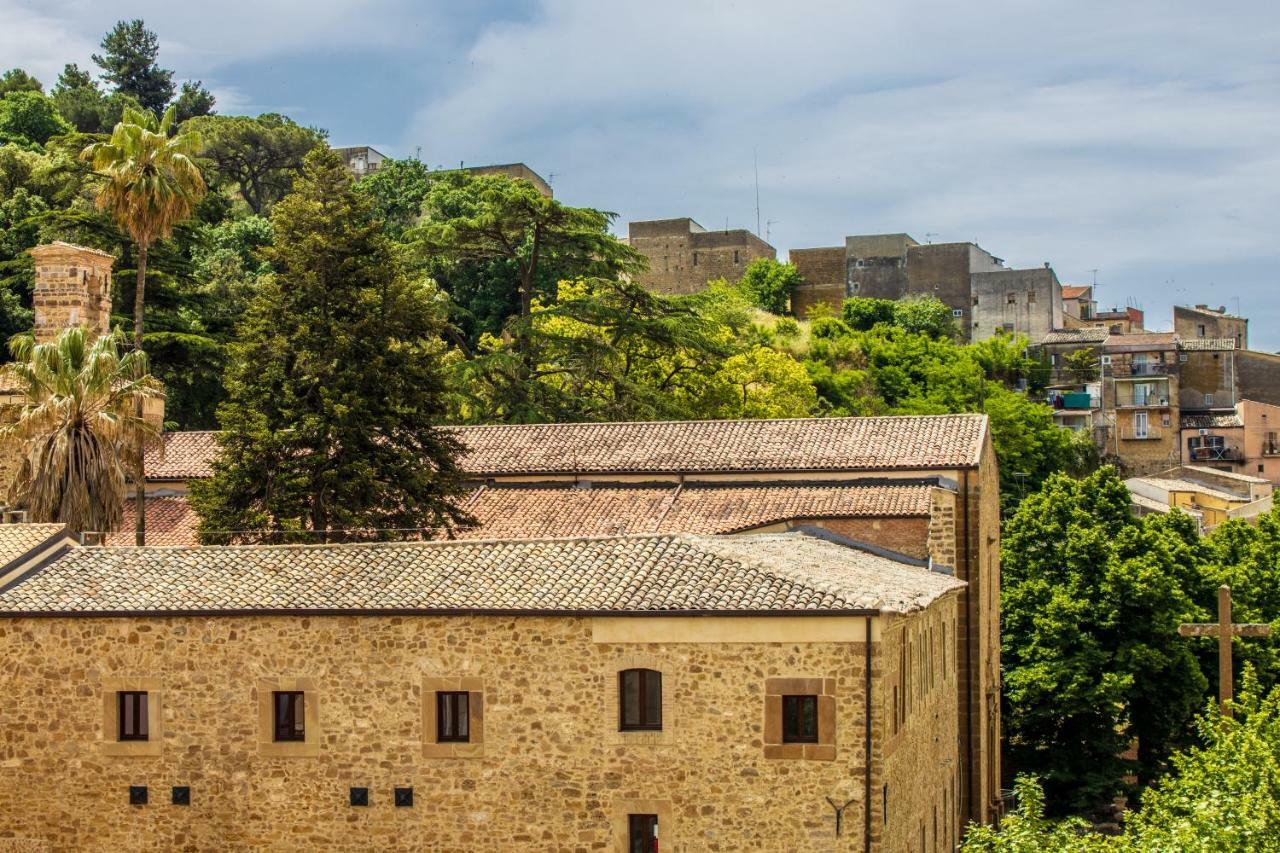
72 288
1046 264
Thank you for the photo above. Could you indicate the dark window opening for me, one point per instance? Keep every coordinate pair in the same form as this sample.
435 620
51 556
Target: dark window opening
453 724
799 719
133 715
290 719
642 833
640 700
735 256
695 259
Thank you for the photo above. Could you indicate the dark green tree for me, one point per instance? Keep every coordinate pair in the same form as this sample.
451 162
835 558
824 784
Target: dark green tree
1091 599
768 283
256 157
79 100
333 386
128 63
193 100
862 313
397 191
17 80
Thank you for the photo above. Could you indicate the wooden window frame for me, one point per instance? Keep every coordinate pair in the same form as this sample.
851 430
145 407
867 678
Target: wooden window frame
644 824
112 687
458 699
620 822
287 706
137 720
776 744
643 697
473 746
268 744
791 717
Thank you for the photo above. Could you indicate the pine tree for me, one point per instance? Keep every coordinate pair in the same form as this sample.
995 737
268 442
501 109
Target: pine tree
128 61
333 386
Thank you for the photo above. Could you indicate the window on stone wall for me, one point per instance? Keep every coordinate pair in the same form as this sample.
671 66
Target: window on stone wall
695 259
290 715
642 833
639 700
1012 299
800 719
735 256
453 723
132 715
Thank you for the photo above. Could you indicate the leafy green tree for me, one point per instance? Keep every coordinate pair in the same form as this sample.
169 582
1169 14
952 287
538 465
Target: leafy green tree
1091 600
193 100
764 383
863 313
334 387
768 284
76 428
149 185
1028 830
927 315
79 100
507 224
397 191
29 117
258 157
17 80
1082 365
128 62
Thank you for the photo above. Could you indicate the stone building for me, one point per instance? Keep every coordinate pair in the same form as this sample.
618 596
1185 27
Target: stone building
1078 304
1209 495
974 283
1242 440
683 256
773 692
72 288
1203 322
514 170
922 488
361 160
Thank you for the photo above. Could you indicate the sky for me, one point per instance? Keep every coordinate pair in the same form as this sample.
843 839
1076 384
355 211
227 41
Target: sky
1135 142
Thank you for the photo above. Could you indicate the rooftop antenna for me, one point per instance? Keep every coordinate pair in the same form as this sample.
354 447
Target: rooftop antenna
551 179
1095 276
929 235
417 153
755 167
768 228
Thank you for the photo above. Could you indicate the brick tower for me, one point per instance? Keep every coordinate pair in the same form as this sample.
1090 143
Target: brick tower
72 288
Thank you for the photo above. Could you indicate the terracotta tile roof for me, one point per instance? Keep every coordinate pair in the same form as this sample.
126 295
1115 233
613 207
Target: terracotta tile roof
776 573
1224 420
187 456
170 521
1206 344
1075 336
518 511
1075 291
17 540
812 444
1141 341
802 444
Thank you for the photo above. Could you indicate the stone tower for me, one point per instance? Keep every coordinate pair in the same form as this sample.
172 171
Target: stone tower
72 288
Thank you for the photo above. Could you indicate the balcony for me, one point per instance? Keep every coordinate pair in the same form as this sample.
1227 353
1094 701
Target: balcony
1138 371
1216 454
1271 448
1129 399
1148 434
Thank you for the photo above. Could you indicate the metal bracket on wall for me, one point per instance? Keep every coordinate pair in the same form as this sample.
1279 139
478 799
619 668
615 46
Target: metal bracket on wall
839 810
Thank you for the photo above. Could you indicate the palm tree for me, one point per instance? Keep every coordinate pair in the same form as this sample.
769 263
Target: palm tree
77 427
150 185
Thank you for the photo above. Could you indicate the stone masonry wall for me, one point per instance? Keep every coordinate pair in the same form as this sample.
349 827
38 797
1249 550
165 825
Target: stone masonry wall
552 773
682 259
823 272
921 781
72 288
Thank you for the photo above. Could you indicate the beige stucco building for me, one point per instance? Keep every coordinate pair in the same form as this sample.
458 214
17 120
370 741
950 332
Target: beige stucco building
307 697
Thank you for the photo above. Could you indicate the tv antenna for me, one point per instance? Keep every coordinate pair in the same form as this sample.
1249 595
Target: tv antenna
768 228
755 167
1095 276
929 235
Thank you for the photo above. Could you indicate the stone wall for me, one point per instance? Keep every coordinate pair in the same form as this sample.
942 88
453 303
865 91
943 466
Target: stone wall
1015 302
1206 380
943 270
72 288
1205 322
683 256
823 272
553 773
1258 376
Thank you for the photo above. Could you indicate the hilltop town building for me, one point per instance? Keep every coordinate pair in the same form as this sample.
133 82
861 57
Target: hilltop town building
594 693
683 256
1208 495
1208 323
361 160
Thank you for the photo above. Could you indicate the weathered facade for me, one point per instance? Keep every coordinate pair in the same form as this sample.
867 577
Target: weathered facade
1016 302
683 256
514 170
1203 322
72 288
212 635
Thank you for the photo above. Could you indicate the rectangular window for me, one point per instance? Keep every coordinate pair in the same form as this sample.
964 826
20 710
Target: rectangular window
642 833
133 715
640 700
1141 425
695 259
1208 399
957 312
735 256
1013 299
290 719
799 719
453 723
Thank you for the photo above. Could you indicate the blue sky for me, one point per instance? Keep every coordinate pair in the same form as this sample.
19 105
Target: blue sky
1141 139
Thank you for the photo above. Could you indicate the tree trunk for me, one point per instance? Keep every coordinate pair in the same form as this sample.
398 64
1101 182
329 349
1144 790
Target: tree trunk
139 472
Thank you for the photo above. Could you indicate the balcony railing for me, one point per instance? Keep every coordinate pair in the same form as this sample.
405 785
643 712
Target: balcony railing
1131 400
1271 449
1216 454
1148 434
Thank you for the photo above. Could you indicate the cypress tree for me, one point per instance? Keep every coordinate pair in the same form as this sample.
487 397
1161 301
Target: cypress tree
334 389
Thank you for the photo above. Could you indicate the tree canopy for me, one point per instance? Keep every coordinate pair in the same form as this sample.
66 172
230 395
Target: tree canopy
767 284
128 62
257 157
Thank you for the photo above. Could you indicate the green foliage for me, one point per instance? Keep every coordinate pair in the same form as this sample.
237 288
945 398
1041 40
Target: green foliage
17 80
257 157
1091 599
1082 365
768 283
30 117
1028 830
193 100
397 191
128 61
863 313
926 315
334 384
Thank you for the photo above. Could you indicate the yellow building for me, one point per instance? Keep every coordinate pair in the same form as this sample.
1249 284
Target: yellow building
770 692
1207 494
